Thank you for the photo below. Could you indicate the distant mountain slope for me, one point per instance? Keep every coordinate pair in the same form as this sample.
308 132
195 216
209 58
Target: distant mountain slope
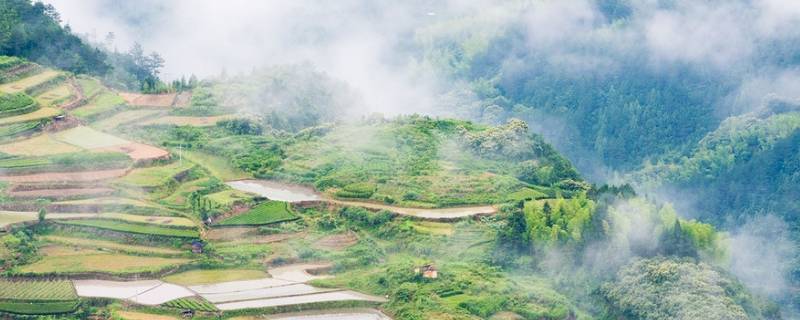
33 31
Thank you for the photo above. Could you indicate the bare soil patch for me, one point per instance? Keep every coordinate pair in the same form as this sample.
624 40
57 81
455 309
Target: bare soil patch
139 151
149 100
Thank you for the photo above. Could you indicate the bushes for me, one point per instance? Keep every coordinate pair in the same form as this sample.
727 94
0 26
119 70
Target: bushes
362 190
15 104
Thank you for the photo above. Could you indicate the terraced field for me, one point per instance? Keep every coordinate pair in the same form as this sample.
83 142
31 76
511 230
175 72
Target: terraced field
144 229
110 245
29 82
37 297
57 259
155 176
262 214
41 113
41 145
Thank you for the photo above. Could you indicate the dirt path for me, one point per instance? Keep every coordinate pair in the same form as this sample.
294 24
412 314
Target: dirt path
295 193
333 314
428 214
79 98
81 176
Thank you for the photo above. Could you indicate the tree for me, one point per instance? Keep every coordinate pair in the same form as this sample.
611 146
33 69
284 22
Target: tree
42 214
677 243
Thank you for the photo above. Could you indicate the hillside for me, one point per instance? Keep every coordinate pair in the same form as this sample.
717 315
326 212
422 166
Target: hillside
124 185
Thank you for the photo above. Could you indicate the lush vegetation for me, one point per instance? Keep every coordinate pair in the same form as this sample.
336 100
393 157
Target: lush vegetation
16 103
43 40
264 213
668 289
146 229
197 304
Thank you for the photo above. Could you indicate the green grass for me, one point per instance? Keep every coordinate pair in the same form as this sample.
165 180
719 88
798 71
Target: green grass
69 260
155 176
192 303
526 194
16 129
55 96
228 198
37 297
16 103
111 245
38 308
133 228
89 138
102 103
206 276
90 86
264 213
37 290
76 161
218 166
33 81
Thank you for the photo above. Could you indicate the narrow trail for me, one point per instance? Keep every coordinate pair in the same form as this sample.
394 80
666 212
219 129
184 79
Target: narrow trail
296 193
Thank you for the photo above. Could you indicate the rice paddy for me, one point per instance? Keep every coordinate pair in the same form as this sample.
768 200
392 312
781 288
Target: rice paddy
109 245
262 214
66 260
207 276
41 145
143 229
155 176
88 138
25 83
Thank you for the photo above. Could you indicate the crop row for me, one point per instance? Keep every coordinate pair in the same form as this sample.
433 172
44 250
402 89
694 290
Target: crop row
192 303
264 213
133 228
36 290
20 307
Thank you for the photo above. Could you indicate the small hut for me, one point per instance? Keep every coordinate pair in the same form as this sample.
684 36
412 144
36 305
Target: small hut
197 246
428 271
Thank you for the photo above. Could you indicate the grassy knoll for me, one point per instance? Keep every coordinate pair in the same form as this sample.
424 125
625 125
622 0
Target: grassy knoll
41 113
180 197
111 245
422 162
155 176
89 138
32 81
206 276
134 228
40 145
264 213
434 228
55 96
218 166
64 260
